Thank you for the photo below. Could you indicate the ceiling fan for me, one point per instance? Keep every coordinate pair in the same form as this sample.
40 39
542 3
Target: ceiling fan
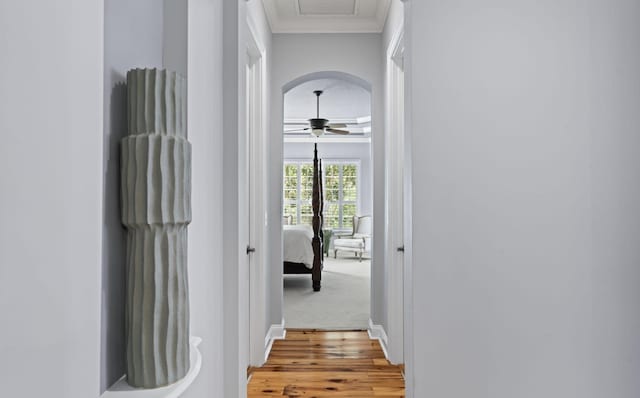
318 126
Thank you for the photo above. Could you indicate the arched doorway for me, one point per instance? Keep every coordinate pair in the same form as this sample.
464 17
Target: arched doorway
344 302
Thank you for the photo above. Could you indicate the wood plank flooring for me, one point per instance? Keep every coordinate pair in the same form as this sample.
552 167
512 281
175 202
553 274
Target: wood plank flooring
325 364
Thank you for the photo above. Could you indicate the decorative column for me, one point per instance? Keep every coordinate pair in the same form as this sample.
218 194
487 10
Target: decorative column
156 209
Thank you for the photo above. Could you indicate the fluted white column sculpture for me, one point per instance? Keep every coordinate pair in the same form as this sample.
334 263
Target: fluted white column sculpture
156 208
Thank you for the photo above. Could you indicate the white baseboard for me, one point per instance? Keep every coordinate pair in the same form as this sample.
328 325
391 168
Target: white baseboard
377 332
276 332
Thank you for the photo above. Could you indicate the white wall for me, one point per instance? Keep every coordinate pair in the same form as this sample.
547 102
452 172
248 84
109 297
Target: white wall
340 100
295 55
206 231
132 39
175 35
51 205
525 198
614 33
340 151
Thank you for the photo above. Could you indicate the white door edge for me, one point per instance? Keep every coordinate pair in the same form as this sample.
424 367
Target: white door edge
394 185
256 143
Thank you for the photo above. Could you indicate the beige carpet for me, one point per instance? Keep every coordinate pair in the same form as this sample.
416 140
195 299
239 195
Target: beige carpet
342 303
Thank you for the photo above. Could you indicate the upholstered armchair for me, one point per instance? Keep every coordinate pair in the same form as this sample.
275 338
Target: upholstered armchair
359 241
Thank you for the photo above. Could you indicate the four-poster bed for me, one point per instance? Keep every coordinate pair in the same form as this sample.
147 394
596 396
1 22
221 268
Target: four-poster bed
310 265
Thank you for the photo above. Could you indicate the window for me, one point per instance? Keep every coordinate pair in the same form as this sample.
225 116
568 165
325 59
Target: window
340 194
340 181
298 189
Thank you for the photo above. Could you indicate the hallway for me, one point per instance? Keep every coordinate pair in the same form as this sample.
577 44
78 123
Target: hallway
326 364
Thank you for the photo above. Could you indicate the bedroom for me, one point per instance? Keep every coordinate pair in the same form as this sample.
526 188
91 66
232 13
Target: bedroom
346 179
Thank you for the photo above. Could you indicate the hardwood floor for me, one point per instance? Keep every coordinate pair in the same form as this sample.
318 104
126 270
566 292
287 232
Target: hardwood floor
323 364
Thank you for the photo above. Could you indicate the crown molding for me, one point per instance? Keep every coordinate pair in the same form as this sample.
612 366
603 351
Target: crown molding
327 139
326 23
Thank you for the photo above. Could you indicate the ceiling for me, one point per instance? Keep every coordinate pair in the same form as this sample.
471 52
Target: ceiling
340 102
326 16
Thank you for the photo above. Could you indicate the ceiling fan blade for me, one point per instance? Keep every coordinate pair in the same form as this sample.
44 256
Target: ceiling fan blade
334 131
296 130
337 125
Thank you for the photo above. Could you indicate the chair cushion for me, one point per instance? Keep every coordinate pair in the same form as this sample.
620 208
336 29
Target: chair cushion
362 225
350 243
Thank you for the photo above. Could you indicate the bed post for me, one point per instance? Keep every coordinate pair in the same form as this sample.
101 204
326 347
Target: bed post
316 271
322 248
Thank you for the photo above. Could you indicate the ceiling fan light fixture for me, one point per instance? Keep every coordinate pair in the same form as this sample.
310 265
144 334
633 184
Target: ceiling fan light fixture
318 126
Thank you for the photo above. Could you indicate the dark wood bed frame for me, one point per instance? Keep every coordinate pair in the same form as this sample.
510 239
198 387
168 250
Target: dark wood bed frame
317 203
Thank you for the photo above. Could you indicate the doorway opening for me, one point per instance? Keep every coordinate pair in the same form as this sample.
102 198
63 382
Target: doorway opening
346 177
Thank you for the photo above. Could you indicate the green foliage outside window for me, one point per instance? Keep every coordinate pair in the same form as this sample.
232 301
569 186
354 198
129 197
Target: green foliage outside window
306 182
340 193
349 183
348 211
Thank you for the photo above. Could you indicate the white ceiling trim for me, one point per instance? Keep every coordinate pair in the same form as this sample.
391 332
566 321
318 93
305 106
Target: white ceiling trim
329 139
350 11
383 12
326 23
272 14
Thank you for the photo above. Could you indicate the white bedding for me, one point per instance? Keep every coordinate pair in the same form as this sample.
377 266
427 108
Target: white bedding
297 244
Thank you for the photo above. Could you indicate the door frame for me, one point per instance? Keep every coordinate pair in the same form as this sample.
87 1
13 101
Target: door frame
256 129
408 305
394 205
